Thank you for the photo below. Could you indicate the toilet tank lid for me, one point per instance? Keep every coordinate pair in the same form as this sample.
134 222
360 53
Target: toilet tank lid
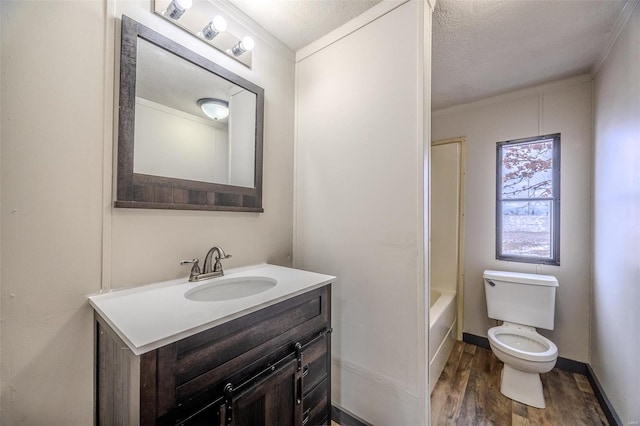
518 277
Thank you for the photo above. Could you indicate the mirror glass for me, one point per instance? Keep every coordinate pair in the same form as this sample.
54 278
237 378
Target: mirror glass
189 130
175 138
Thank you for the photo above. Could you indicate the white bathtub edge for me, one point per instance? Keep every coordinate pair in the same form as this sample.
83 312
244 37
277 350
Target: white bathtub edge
442 355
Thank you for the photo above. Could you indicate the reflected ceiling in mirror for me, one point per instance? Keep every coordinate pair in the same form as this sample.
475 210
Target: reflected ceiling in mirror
174 137
170 153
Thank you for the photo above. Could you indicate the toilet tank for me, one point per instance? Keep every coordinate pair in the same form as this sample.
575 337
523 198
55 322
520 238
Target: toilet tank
527 299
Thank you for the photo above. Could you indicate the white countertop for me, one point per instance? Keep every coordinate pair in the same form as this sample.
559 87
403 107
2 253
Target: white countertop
155 315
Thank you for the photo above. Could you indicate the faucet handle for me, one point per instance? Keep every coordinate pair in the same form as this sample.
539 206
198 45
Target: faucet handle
217 266
195 269
222 254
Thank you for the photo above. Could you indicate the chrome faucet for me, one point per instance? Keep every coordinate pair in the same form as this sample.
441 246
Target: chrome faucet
208 271
217 266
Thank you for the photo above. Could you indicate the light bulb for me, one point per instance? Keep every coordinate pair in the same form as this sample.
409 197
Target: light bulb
217 25
245 45
248 43
177 8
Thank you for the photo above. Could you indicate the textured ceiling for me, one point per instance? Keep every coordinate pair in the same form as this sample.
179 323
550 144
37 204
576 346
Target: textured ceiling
483 48
166 79
480 48
299 22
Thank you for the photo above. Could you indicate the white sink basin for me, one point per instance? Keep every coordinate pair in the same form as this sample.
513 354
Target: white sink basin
220 289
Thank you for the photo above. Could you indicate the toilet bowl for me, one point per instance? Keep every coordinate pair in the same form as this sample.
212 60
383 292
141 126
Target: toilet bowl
525 355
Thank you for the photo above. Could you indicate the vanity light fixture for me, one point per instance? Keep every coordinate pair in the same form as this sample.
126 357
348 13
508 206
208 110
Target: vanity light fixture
211 22
177 8
216 109
245 45
217 25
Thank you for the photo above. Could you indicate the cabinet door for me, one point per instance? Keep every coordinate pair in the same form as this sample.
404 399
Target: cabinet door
268 400
271 402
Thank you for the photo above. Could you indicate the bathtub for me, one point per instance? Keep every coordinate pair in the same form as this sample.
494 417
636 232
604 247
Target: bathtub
442 332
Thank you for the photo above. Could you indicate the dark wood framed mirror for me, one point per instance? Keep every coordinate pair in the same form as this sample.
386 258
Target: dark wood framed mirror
189 130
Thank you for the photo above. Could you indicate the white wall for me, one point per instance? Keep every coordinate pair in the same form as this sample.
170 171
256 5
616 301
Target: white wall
359 195
177 144
242 136
61 238
563 107
615 323
1 294
52 145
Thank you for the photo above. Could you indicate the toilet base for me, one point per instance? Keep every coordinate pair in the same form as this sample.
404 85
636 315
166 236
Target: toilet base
522 387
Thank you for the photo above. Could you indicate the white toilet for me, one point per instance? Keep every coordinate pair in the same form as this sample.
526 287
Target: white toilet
522 302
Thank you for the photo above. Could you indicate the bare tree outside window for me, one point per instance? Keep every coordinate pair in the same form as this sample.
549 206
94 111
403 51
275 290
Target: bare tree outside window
528 198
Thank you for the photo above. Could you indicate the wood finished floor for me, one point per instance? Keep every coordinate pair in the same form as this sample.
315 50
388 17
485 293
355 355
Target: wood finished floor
468 393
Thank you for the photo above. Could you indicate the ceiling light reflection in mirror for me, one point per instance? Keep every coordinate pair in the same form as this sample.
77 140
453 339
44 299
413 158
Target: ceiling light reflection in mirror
175 138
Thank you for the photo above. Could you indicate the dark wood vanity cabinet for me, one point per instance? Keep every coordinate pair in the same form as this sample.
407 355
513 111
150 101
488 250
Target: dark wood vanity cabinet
270 367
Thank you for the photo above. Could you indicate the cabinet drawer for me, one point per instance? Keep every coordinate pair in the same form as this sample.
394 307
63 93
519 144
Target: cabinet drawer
315 360
315 405
210 349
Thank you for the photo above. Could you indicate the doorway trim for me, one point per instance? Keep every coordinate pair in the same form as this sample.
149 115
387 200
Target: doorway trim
461 216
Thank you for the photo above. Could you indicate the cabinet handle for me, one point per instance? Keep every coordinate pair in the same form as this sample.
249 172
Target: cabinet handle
305 370
228 403
305 416
299 391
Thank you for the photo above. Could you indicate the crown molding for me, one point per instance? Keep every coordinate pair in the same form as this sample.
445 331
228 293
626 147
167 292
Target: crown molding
618 26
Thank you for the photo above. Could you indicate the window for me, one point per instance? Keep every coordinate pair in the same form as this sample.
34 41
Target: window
528 200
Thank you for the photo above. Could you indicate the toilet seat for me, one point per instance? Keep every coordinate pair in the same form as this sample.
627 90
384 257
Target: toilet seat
523 342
